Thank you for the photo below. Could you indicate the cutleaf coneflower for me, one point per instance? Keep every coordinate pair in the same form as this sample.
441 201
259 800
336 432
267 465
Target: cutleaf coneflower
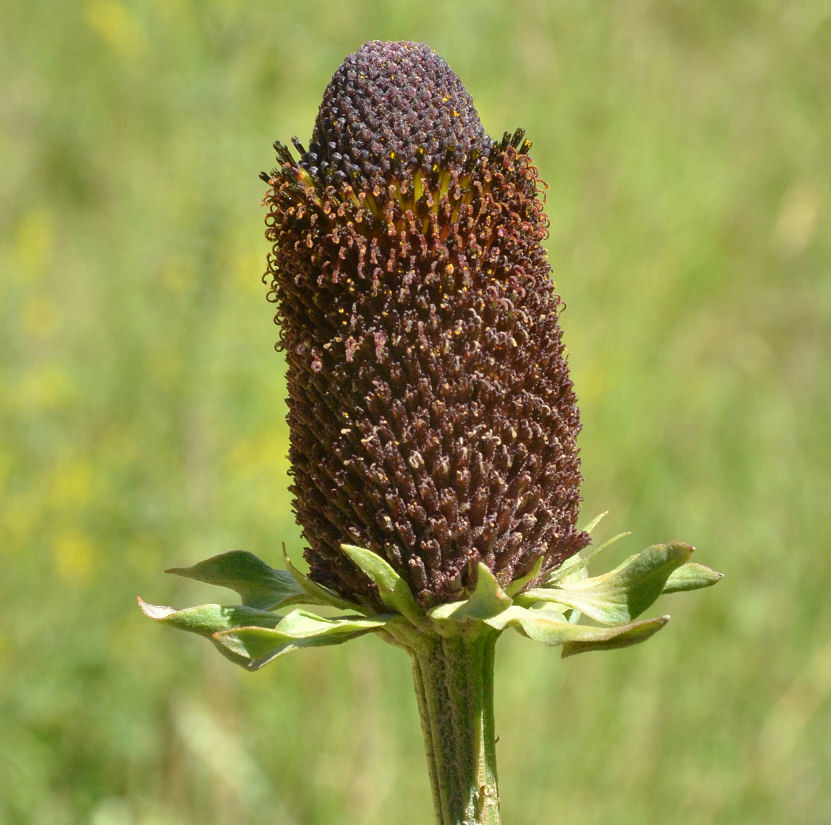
433 423
431 413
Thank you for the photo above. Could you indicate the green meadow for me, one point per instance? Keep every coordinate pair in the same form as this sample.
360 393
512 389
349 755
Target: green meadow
687 147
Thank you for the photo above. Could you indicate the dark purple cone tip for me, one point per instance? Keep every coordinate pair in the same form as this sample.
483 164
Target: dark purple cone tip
392 105
431 415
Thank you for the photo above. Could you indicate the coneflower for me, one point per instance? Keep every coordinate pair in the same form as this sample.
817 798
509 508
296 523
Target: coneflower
433 424
431 413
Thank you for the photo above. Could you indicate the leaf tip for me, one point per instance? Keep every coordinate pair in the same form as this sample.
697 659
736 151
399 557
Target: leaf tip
154 611
595 521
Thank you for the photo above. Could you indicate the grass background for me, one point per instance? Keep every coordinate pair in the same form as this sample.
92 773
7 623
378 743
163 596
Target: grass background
141 413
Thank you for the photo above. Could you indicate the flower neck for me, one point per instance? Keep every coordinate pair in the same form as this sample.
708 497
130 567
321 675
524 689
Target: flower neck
454 684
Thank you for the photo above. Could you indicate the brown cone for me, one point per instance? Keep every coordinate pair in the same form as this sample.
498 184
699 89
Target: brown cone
431 415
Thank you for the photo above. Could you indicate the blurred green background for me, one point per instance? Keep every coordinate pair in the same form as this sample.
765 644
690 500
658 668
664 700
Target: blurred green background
687 147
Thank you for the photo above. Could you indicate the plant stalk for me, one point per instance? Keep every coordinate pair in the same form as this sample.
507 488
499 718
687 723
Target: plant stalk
454 684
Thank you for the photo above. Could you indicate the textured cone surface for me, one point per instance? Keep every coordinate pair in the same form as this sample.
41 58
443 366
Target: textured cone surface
431 414
392 104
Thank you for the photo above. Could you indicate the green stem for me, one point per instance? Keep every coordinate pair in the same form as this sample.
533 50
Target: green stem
454 684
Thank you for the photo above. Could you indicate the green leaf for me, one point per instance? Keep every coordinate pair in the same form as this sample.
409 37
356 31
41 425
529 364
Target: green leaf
260 645
595 521
487 599
445 610
258 584
691 576
207 619
621 594
317 593
514 615
550 628
577 563
393 590
631 634
517 584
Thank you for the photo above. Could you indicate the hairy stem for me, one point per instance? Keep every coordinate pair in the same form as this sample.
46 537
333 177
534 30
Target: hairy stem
454 683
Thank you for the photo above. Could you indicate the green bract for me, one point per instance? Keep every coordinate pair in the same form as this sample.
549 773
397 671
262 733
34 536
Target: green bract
546 610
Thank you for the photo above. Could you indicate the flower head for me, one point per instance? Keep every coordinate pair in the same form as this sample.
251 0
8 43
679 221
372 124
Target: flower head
431 414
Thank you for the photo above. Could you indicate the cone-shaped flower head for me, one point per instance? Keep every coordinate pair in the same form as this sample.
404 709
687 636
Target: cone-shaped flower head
431 414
